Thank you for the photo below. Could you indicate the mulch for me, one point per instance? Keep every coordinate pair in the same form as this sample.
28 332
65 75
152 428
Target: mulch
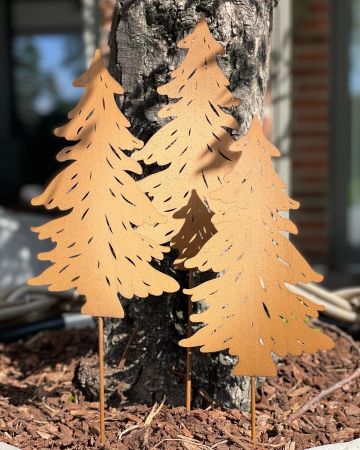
41 408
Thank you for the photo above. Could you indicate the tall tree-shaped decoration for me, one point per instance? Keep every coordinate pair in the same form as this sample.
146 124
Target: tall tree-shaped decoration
251 310
99 251
194 144
195 147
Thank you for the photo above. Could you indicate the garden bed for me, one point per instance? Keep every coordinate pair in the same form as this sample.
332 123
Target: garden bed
40 407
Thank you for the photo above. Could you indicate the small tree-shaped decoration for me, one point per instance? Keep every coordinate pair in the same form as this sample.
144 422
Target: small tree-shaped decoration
195 146
251 310
99 251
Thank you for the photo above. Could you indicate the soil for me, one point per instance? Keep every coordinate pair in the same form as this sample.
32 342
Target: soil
41 407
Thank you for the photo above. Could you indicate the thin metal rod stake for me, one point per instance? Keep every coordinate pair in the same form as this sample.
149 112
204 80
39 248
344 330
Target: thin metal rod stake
101 381
253 408
189 350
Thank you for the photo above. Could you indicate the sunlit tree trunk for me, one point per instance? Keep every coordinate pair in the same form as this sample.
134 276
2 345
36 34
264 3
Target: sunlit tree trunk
143 51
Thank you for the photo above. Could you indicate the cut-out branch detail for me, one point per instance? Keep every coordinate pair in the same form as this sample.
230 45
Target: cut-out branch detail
195 145
98 249
250 310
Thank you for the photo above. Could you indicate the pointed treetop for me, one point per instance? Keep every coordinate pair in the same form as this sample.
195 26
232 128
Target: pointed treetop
253 146
98 70
199 71
87 122
255 133
202 37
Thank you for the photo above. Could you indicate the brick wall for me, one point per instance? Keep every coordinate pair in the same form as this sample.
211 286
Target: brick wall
310 148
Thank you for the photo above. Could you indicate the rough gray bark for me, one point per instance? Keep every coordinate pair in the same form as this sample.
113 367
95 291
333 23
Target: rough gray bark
143 52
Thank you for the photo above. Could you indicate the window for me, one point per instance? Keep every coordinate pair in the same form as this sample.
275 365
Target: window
345 175
353 206
42 51
44 67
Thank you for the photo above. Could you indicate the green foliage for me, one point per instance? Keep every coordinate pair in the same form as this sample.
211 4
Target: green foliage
72 398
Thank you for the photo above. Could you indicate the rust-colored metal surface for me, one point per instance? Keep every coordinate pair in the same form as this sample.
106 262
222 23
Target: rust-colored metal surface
250 310
101 379
197 229
194 145
98 250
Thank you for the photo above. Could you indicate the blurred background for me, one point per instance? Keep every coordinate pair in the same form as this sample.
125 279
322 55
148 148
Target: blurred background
312 113
44 45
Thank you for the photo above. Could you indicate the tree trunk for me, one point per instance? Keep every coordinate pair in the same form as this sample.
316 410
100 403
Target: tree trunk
143 51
